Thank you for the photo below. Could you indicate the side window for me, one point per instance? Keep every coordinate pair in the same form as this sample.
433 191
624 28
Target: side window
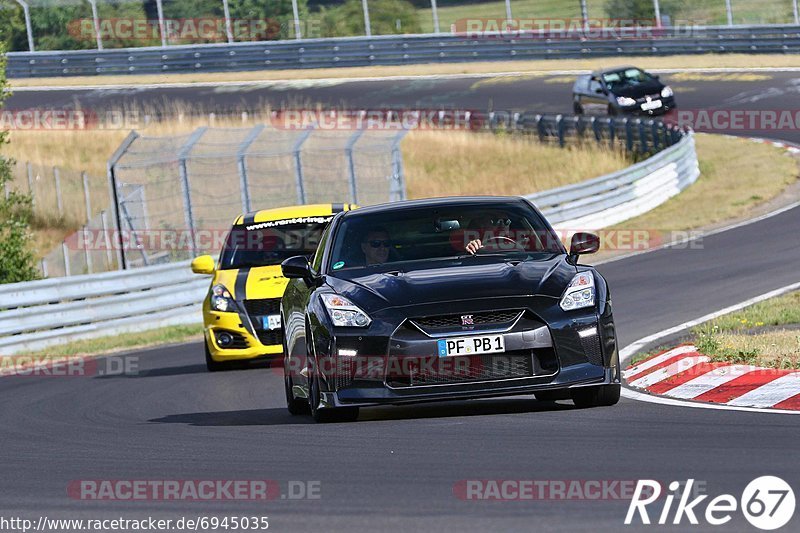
594 85
316 262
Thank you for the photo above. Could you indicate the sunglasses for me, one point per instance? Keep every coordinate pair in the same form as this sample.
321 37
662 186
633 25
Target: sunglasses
378 243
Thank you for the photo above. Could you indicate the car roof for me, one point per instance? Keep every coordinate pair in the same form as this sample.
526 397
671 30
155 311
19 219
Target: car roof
278 213
446 201
613 69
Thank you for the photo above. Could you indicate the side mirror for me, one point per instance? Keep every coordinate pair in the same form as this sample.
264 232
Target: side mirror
584 243
203 265
599 90
297 267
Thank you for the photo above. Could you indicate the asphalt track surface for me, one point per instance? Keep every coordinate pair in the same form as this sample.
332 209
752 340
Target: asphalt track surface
395 469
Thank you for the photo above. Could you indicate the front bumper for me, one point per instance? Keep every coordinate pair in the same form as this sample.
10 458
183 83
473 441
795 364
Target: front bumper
667 105
246 344
545 351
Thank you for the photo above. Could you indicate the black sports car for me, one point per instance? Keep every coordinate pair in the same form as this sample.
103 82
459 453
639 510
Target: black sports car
622 90
443 299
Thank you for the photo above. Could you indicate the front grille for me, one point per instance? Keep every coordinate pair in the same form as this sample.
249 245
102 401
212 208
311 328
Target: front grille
345 368
592 349
263 307
487 367
499 318
270 338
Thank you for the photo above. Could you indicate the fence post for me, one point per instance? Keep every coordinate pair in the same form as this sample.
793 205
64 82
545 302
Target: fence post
435 12
59 201
795 12
65 253
656 138
183 154
612 131
367 25
729 11
44 267
642 136
30 183
298 34
298 164
596 130
657 12
351 167
106 240
112 184
86 198
5 186
87 242
241 156
540 131
398 189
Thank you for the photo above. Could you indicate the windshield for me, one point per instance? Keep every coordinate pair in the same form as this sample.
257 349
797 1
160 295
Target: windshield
429 234
269 243
626 78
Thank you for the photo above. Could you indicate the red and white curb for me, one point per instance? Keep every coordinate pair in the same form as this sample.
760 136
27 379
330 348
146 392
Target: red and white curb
683 373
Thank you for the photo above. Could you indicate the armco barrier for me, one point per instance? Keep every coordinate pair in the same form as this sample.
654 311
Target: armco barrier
399 50
53 311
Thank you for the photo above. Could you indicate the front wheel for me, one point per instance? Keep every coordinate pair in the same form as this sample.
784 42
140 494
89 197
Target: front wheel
577 108
296 406
600 396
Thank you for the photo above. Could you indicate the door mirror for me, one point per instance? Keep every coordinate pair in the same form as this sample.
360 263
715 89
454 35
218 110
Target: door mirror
297 267
203 265
599 90
584 243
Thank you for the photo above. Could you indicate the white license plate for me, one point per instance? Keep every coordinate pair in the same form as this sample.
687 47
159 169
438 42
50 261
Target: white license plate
271 322
649 106
471 345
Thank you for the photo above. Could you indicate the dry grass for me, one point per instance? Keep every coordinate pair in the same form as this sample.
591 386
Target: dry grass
430 69
439 163
735 176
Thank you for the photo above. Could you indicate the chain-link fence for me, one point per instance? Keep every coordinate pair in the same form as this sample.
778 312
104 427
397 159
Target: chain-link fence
177 196
104 24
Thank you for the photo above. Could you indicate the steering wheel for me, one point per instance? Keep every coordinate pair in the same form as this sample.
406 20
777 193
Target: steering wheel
517 246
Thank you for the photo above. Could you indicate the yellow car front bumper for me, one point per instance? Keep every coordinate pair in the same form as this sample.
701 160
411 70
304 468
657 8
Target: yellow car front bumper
247 346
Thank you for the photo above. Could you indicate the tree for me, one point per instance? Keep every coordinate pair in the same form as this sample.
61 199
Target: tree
387 17
17 262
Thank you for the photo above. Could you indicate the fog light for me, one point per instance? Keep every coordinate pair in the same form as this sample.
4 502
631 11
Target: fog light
224 339
348 353
587 332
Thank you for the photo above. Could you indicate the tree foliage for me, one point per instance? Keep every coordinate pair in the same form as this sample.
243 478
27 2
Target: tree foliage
17 262
387 17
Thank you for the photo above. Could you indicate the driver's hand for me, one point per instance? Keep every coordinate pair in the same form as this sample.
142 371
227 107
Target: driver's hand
474 246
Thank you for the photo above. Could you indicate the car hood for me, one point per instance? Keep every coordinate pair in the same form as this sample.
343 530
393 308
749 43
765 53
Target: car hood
469 279
640 90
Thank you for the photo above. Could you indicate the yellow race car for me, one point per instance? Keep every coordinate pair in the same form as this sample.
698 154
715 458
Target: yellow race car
241 314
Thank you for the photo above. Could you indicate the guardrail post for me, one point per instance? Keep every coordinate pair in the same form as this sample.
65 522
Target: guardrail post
628 134
298 164
59 200
112 184
351 166
598 136
642 136
86 200
560 130
186 189
656 136
612 131
540 127
30 183
65 253
241 157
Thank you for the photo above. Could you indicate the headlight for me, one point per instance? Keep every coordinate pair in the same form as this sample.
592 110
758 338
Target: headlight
344 313
625 101
579 293
221 299
666 92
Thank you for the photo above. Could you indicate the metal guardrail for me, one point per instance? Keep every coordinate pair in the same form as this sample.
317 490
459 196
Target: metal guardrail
53 311
399 50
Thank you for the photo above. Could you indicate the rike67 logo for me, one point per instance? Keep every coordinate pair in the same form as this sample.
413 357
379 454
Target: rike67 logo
767 503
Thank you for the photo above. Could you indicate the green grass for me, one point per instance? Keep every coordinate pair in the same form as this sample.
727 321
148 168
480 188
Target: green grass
126 341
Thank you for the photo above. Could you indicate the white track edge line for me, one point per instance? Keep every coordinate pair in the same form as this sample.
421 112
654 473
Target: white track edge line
628 351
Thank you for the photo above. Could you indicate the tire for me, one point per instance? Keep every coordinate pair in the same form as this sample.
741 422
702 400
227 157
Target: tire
577 108
295 406
211 365
602 396
552 395
329 414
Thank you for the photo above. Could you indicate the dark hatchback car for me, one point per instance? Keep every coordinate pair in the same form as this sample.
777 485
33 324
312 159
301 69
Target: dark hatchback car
622 90
445 299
